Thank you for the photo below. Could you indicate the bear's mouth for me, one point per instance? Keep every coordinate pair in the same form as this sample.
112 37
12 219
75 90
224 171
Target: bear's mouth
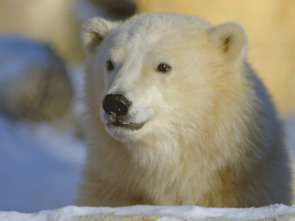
130 126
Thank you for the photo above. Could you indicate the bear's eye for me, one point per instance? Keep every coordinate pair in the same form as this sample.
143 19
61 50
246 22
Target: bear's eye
163 68
110 65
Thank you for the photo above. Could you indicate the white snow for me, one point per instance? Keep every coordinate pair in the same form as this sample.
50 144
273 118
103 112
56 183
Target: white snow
181 212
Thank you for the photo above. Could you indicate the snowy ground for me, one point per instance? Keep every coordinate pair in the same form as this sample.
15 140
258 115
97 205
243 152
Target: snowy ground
168 213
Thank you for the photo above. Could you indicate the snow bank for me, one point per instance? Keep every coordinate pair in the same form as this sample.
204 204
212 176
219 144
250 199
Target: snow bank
161 213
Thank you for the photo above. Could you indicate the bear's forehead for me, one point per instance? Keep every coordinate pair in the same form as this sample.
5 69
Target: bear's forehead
162 20
150 28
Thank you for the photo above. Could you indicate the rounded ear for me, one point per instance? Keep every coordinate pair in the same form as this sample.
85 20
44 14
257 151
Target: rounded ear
230 39
94 31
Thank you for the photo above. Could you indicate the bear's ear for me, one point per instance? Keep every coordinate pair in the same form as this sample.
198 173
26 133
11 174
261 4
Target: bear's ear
230 39
94 31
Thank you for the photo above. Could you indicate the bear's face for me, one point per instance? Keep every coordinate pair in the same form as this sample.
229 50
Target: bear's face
152 74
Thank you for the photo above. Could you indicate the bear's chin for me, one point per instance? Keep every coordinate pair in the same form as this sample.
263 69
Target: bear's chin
125 132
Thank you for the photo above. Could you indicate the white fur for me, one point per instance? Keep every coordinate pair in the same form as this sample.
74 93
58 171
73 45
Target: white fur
211 136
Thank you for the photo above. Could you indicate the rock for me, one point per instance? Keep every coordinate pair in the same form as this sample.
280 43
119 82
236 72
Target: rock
34 84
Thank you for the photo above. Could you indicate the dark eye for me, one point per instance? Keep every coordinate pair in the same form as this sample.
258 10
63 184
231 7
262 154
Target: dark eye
163 68
110 65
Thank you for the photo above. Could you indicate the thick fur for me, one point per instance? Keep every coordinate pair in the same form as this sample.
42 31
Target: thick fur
211 135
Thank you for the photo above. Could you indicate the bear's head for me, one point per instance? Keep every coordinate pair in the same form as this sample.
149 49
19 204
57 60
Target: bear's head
160 75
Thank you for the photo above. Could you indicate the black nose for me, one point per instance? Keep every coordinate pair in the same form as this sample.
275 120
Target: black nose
115 104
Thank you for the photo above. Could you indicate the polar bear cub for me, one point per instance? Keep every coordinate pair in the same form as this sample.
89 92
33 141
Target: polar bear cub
176 116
